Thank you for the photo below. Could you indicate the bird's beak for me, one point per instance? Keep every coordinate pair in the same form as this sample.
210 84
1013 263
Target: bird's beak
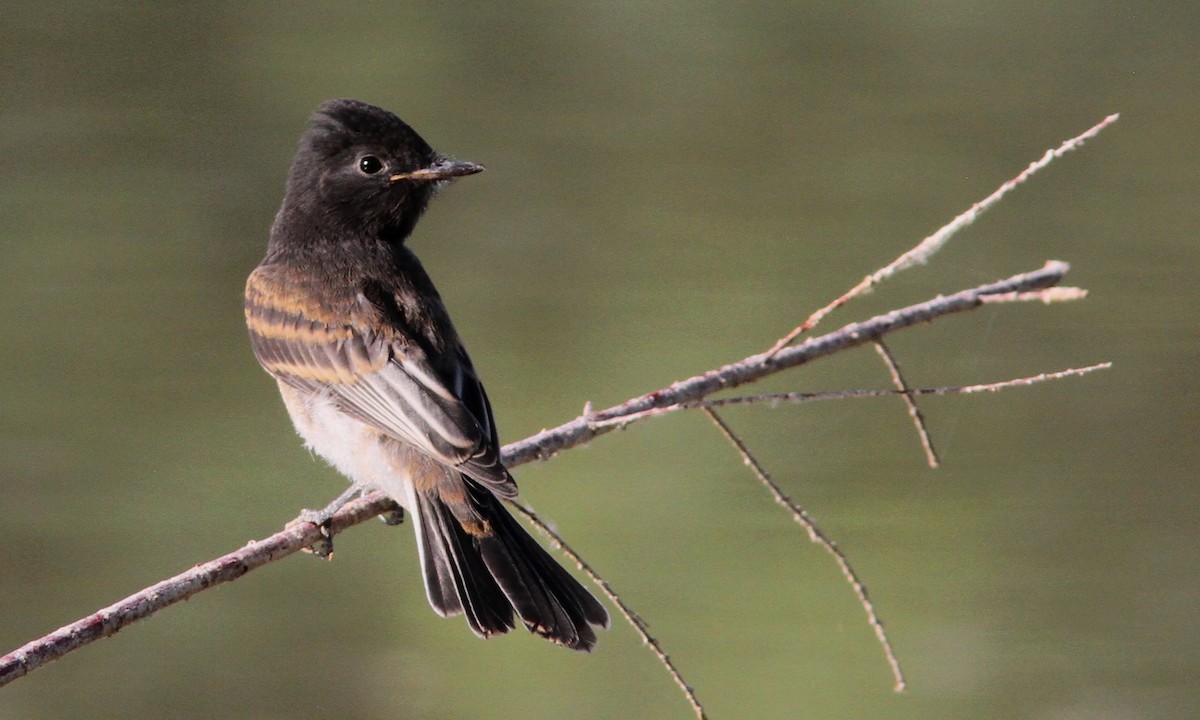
442 168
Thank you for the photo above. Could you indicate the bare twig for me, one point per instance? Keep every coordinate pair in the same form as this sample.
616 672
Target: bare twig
801 516
635 621
914 412
921 253
542 445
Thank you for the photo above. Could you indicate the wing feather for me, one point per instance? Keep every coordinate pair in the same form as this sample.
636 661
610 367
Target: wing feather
386 382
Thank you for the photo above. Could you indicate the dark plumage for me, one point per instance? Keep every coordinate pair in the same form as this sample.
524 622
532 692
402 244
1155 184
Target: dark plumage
375 377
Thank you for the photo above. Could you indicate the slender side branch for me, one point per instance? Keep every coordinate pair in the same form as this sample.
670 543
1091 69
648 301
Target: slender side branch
540 446
817 535
640 626
910 402
803 397
796 398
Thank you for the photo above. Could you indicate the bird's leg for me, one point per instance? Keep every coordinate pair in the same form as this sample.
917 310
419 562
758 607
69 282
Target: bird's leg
321 517
324 547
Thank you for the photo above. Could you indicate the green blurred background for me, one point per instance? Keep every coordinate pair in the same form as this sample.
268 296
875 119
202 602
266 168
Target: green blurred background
670 186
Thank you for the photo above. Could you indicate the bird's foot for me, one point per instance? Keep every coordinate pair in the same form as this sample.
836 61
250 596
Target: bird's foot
394 516
323 547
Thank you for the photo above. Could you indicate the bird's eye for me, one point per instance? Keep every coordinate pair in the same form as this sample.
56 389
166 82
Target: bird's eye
370 164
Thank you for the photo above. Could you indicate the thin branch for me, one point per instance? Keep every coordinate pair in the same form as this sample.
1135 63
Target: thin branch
540 446
914 412
925 249
639 625
803 397
801 516
798 397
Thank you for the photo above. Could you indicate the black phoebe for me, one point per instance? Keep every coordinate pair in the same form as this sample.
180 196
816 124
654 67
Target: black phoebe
376 380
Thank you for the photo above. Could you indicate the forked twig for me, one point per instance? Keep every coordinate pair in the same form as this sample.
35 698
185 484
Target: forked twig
635 621
921 253
818 536
591 425
914 412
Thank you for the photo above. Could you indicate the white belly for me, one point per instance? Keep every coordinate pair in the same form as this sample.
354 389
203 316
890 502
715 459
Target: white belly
355 449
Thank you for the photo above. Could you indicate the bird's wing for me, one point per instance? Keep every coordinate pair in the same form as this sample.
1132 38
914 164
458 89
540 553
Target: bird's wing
383 380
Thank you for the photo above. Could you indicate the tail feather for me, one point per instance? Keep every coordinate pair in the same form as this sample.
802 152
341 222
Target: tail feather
488 576
546 597
457 581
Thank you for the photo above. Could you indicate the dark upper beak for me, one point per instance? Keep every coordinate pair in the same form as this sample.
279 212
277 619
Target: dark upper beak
442 168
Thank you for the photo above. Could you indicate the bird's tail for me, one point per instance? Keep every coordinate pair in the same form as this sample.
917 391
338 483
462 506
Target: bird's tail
495 568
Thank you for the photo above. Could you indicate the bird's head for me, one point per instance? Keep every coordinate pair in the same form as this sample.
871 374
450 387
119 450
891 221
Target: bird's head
365 170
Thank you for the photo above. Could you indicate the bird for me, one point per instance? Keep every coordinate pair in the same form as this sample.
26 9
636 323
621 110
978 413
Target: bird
377 381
